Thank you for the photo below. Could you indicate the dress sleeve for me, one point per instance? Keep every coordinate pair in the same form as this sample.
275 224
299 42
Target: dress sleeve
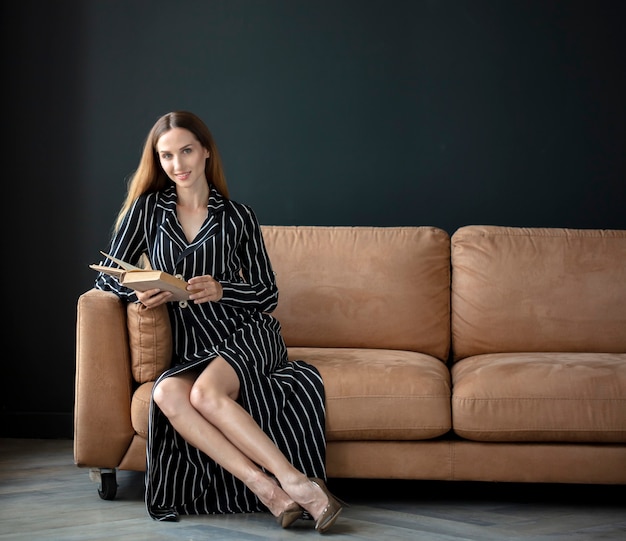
128 244
257 288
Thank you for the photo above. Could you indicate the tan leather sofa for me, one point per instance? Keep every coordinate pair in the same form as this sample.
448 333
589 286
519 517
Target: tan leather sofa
494 354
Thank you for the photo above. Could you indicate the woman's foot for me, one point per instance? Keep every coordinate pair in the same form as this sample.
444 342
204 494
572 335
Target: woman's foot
315 498
276 500
330 513
290 514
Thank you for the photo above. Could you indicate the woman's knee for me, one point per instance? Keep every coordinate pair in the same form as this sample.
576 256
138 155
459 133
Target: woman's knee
170 394
205 397
216 386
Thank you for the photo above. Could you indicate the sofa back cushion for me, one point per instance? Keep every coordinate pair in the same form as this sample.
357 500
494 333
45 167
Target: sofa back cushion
538 289
149 341
363 287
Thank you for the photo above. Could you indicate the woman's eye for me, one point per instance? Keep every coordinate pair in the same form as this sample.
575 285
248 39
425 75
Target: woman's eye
166 156
187 151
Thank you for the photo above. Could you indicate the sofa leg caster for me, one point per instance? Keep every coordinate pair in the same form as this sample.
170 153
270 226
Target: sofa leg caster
107 480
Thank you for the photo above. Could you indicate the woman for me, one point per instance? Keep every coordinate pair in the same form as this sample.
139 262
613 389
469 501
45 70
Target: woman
234 426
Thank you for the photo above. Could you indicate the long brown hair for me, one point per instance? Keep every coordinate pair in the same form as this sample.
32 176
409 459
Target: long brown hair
149 175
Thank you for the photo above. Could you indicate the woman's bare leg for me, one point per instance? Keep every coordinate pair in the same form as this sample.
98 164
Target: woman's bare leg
214 395
205 413
172 397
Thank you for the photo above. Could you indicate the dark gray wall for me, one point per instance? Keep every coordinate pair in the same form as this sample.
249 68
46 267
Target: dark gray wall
331 112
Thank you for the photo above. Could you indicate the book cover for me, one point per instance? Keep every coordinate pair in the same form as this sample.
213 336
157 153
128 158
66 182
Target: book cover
144 279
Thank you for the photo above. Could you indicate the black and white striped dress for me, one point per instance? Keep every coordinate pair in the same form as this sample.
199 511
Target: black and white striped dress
286 398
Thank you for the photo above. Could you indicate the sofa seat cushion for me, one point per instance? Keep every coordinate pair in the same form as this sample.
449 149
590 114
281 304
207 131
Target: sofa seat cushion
543 397
140 408
379 394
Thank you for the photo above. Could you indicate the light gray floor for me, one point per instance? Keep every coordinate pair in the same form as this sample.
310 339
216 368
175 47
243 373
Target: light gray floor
44 496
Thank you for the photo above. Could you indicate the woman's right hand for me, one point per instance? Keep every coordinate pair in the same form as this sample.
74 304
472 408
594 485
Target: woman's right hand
153 297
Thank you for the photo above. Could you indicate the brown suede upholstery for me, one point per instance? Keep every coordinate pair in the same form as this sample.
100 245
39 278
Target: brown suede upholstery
104 386
497 354
355 287
522 289
140 407
539 334
559 397
150 341
398 395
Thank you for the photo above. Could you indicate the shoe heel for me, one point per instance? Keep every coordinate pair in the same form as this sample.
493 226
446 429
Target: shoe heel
292 513
331 511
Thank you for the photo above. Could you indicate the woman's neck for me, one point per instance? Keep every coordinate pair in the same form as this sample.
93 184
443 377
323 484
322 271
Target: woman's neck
193 199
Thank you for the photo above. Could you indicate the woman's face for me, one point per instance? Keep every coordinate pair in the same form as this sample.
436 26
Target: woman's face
182 157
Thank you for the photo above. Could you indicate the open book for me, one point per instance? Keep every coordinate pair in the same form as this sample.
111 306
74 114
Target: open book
143 279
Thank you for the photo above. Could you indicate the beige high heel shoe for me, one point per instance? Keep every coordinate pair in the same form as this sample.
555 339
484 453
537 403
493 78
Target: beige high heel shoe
331 511
291 513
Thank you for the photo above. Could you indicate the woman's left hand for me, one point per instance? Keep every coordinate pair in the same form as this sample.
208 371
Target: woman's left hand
204 289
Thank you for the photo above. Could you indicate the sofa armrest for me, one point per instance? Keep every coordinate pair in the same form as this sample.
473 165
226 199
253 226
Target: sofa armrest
103 386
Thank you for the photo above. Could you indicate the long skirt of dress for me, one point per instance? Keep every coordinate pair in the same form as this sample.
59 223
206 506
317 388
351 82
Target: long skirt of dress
285 398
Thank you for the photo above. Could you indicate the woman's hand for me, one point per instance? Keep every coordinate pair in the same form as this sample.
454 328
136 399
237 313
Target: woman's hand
153 297
204 289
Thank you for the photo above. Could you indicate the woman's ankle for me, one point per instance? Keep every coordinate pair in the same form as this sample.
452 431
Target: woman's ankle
270 493
309 496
